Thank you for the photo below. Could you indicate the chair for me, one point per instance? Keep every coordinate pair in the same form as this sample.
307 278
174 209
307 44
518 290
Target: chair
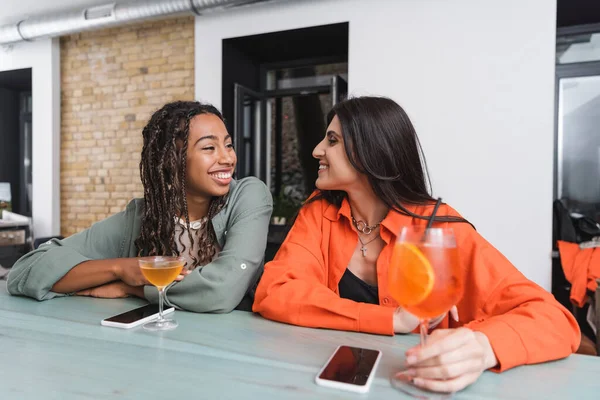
587 346
574 228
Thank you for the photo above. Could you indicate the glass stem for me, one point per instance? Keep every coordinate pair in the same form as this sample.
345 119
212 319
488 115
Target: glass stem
161 299
424 331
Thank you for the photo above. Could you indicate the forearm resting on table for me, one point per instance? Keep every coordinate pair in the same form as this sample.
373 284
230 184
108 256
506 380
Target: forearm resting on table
137 291
90 274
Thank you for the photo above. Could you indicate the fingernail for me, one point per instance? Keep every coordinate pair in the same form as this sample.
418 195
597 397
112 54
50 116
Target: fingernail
411 359
454 314
417 381
404 377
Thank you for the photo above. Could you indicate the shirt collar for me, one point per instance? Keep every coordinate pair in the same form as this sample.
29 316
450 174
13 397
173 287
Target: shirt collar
393 222
333 213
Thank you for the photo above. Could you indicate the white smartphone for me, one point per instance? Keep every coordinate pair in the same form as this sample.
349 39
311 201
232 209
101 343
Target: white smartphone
350 368
138 316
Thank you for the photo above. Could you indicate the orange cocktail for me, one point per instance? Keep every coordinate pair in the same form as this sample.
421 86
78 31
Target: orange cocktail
425 279
161 277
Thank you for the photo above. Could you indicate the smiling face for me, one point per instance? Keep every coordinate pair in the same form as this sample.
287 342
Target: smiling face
335 170
211 159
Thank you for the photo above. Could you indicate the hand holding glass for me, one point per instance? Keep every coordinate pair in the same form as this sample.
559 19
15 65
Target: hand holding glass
425 279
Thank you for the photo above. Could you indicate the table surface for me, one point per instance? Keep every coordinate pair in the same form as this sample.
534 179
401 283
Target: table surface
57 349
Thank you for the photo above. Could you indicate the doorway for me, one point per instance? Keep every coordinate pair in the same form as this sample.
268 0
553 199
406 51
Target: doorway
275 130
577 145
277 90
16 140
577 138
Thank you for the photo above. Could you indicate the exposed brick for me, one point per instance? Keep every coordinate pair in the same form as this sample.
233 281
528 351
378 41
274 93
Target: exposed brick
112 81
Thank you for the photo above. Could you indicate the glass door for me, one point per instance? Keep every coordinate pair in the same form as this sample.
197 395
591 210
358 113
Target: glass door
276 130
579 139
266 122
577 145
249 132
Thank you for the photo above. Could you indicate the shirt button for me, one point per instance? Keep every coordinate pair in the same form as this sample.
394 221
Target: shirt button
386 300
243 266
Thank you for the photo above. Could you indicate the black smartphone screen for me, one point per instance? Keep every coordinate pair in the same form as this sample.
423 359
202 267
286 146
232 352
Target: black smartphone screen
136 314
350 365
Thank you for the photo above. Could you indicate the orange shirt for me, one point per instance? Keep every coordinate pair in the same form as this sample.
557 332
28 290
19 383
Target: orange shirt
523 322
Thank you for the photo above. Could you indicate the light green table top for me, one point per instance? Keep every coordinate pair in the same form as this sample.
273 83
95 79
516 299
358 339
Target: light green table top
57 349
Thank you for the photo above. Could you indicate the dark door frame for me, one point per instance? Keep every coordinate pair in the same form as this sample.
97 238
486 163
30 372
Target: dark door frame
239 140
574 30
264 96
25 116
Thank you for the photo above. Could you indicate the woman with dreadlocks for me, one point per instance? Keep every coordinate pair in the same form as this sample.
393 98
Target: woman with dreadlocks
191 207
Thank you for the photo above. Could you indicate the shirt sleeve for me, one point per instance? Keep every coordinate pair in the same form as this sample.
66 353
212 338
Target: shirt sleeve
35 273
523 322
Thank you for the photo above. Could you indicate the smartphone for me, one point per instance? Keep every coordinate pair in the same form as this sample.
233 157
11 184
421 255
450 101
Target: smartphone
350 368
132 318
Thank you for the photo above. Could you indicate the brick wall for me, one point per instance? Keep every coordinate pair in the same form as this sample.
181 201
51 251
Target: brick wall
112 80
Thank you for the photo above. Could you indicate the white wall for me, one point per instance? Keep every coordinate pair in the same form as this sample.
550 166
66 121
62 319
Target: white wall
43 57
477 79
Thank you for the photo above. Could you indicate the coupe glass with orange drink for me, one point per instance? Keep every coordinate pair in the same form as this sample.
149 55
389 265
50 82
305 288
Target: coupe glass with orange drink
161 271
425 278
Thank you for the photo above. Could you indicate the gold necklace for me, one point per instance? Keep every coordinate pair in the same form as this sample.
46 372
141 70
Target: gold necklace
363 227
363 248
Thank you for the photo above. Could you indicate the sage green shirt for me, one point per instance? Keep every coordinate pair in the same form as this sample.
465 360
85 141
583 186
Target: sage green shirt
241 229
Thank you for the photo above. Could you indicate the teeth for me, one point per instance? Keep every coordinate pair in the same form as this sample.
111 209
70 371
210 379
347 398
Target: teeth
323 167
222 175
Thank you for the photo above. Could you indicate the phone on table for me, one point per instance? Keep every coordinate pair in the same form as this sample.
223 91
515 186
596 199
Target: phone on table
350 368
138 316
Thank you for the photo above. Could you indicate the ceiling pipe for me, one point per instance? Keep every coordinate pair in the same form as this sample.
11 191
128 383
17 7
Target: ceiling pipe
109 15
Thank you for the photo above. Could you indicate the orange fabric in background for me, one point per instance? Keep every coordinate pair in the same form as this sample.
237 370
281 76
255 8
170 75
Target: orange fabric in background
581 267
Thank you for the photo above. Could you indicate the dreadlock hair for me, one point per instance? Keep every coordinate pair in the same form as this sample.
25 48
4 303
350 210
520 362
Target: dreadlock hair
381 142
163 173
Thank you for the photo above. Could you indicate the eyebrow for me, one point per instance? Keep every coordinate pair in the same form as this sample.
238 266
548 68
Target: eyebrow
212 137
332 133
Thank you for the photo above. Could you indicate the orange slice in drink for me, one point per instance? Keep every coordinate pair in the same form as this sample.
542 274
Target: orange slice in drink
411 275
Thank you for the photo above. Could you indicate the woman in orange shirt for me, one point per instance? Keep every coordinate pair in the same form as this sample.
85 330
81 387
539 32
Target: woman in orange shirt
371 176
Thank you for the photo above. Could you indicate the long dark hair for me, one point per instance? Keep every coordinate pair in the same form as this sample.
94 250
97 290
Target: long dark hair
381 142
163 171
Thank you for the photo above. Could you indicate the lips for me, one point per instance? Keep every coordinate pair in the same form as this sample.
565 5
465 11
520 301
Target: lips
323 167
221 177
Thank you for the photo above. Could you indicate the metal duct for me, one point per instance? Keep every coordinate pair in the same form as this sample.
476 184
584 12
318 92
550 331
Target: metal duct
108 15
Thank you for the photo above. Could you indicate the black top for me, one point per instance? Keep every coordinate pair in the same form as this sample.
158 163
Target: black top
353 288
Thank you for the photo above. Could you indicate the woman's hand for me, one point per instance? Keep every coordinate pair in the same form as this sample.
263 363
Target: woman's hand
113 290
128 271
405 322
451 360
